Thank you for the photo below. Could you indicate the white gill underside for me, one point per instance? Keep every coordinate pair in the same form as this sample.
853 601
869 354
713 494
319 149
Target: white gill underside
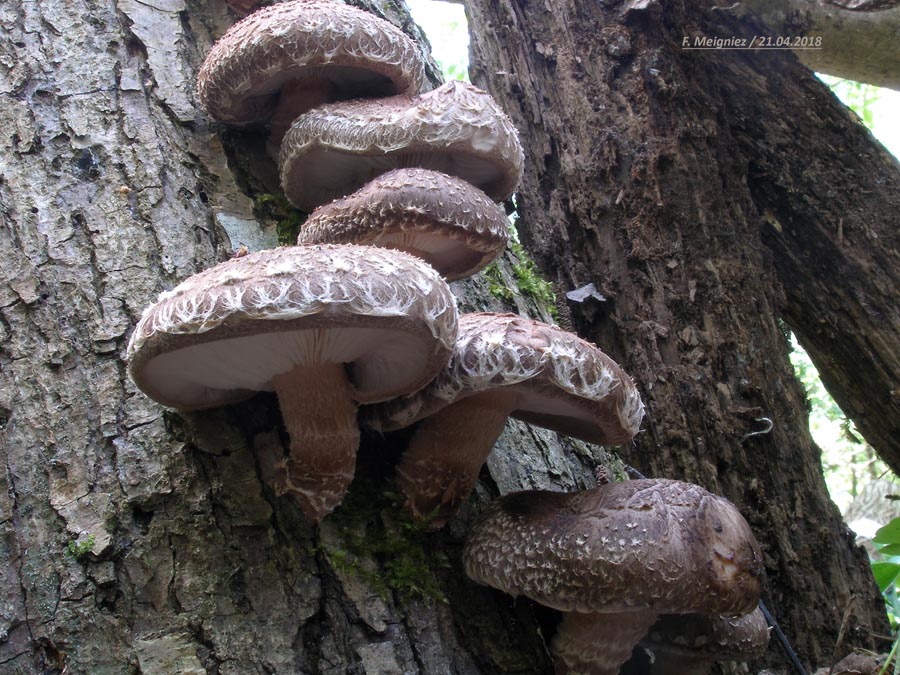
335 174
379 360
439 251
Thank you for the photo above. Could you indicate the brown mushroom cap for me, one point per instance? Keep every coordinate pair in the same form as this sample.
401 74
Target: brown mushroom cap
450 224
559 381
663 545
457 129
690 644
357 53
502 365
224 333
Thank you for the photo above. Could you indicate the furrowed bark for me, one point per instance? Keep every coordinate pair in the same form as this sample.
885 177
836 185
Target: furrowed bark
673 181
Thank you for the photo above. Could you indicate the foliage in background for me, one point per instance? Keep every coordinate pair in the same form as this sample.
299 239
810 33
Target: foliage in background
886 569
857 96
847 460
445 25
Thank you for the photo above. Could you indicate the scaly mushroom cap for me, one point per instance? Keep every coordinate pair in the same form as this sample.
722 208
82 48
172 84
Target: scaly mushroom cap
662 545
457 129
562 382
224 333
358 53
450 224
677 641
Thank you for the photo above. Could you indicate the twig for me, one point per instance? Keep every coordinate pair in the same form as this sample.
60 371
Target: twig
891 656
841 633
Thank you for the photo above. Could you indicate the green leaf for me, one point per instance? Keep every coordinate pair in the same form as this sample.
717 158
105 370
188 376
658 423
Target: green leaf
885 573
890 549
889 534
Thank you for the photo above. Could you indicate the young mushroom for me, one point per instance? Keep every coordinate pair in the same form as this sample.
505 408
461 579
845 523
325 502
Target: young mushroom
286 59
613 559
457 129
690 644
325 327
449 223
502 365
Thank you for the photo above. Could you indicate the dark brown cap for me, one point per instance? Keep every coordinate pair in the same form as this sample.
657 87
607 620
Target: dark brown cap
355 52
449 223
457 129
561 382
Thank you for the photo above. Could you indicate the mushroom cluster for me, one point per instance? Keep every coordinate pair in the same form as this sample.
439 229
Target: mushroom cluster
359 311
356 325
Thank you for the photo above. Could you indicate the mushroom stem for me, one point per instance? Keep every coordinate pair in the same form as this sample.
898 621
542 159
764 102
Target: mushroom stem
296 98
439 468
598 643
321 421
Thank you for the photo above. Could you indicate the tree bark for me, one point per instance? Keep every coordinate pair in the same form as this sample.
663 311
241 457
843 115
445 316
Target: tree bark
137 540
701 194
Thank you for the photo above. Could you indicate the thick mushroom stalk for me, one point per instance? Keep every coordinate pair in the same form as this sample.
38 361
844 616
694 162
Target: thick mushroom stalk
324 437
578 650
628 551
502 365
439 468
325 327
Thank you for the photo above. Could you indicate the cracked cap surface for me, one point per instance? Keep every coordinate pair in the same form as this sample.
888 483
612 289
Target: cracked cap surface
223 333
562 382
444 220
457 129
662 545
356 52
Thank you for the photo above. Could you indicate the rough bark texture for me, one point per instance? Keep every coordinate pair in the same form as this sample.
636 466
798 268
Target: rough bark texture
856 45
135 540
701 193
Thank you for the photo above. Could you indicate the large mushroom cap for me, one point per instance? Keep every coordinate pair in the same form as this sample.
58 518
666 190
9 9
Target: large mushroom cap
442 219
560 381
356 52
457 129
224 333
662 545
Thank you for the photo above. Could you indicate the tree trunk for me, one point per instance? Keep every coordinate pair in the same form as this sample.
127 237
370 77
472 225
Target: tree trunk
137 540
701 193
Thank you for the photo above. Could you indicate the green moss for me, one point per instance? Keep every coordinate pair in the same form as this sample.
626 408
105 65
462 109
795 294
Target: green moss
77 550
496 285
530 281
372 525
287 218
